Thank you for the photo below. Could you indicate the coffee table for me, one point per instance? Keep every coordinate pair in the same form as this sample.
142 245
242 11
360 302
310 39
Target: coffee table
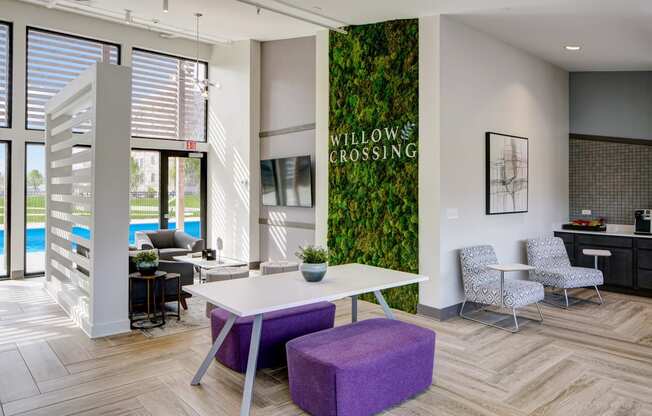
202 264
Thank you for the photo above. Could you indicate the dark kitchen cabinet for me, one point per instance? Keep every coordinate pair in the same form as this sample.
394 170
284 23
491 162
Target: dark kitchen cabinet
629 269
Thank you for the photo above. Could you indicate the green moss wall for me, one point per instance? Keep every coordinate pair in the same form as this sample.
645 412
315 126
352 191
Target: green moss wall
373 169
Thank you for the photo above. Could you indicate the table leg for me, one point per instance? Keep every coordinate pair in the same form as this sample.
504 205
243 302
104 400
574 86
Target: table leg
388 312
211 354
163 283
502 285
354 308
252 364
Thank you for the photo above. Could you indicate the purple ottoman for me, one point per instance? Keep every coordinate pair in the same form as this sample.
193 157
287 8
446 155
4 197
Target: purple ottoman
360 369
278 328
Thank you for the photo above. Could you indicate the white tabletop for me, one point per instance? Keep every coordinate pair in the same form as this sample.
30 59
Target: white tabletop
210 264
256 295
598 253
514 267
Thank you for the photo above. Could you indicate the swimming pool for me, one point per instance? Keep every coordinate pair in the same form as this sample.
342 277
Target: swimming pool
35 237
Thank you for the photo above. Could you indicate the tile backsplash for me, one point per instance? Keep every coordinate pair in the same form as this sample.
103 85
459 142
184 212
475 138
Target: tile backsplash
610 179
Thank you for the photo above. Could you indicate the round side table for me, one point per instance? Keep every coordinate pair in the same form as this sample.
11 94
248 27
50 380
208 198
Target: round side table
151 320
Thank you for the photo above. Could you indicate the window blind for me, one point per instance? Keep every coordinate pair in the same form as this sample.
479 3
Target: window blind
5 92
55 59
166 101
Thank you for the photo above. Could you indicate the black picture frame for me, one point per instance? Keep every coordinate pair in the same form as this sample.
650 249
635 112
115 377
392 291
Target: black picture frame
517 183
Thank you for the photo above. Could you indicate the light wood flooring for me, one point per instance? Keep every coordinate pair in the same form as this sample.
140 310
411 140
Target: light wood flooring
591 360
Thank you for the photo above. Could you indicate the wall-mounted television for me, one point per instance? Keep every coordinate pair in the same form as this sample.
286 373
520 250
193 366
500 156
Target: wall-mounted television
287 182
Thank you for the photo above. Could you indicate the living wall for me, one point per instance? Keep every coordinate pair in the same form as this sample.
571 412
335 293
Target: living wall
373 169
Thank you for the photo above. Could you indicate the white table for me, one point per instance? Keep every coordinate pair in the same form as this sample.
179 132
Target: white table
204 264
256 296
505 268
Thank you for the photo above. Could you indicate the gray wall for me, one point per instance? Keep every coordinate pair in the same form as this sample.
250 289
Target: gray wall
287 97
612 104
610 179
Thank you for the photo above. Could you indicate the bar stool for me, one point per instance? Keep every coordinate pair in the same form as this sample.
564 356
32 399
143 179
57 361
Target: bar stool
596 254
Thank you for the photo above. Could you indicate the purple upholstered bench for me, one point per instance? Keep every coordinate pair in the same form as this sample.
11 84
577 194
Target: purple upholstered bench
360 369
278 328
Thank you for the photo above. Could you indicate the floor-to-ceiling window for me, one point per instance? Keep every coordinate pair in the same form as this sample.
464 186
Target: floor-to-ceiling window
53 60
34 208
5 74
5 196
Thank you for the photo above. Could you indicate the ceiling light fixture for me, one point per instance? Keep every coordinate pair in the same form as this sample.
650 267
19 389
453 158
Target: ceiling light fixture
166 6
572 47
293 16
202 84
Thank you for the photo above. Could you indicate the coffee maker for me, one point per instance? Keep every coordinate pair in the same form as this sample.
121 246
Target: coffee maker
643 221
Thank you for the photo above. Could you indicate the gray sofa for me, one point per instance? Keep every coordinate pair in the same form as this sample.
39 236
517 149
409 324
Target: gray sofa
169 243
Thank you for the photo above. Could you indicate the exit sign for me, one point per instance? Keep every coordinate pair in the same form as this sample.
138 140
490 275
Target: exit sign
191 145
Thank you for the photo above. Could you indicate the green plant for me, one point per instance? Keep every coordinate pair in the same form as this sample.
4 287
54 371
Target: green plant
148 256
373 213
313 254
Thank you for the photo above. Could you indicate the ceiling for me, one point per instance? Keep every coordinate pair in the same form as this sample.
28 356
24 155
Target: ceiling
614 34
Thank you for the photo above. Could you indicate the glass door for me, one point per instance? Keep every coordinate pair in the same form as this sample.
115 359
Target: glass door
144 192
185 204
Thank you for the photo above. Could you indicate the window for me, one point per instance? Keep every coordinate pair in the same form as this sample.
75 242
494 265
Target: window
5 74
166 101
34 208
55 59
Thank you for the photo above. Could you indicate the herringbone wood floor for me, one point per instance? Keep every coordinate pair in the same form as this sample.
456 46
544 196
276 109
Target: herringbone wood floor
591 360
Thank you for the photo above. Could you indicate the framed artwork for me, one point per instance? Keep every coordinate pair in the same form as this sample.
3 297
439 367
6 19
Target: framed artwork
507 174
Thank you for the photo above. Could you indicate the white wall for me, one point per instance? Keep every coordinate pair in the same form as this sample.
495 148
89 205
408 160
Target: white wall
487 85
22 15
287 101
233 157
614 104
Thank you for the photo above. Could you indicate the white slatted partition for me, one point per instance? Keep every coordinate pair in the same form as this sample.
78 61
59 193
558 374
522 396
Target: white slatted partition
87 223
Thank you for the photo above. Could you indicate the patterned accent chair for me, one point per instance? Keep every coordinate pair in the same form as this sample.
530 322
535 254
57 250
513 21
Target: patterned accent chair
552 268
482 285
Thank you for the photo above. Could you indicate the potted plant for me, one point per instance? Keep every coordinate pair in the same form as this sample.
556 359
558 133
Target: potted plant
315 262
146 262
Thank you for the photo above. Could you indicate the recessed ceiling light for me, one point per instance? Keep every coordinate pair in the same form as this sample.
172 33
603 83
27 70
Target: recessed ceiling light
166 6
572 47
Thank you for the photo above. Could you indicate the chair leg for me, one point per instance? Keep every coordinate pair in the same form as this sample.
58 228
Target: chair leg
462 309
599 295
566 297
540 314
515 319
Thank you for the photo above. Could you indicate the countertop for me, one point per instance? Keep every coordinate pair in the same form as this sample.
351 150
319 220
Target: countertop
612 230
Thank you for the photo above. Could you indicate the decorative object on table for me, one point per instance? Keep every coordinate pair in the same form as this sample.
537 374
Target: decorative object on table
146 262
586 225
361 368
484 283
315 262
278 266
552 268
507 174
220 247
208 254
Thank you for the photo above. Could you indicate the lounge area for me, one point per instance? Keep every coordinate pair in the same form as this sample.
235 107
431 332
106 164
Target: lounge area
270 207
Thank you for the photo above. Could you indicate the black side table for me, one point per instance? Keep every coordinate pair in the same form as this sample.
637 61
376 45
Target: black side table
151 320
172 276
